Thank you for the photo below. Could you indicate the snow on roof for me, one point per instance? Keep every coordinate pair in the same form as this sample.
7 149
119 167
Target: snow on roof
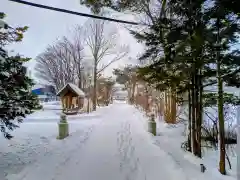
74 88
37 86
77 89
42 96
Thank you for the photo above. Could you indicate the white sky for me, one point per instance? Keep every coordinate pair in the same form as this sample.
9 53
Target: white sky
46 26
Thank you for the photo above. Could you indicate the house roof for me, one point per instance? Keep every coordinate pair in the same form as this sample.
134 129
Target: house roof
73 88
37 86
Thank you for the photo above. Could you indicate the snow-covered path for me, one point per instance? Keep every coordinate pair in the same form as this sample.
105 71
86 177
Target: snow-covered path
118 148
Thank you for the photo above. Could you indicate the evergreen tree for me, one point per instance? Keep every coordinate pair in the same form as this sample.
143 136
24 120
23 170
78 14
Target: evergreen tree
16 98
123 75
190 44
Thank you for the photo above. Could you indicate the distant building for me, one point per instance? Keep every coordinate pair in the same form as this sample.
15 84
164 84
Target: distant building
118 92
45 92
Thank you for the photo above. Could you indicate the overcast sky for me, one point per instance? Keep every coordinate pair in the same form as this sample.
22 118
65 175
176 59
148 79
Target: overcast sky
46 26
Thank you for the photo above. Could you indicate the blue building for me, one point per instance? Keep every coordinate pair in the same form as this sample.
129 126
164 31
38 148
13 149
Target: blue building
45 93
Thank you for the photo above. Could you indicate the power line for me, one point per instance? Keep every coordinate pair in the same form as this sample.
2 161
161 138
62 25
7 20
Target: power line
75 13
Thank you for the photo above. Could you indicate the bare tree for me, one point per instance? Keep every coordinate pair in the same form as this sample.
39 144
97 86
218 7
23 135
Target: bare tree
77 47
61 63
102 45
74 51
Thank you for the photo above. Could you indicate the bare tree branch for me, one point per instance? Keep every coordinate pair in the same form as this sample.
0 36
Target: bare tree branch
61 63
101 39
115 59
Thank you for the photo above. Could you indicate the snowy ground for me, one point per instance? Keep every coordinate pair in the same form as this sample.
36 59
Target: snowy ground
118 147
111 143
37 136
170 139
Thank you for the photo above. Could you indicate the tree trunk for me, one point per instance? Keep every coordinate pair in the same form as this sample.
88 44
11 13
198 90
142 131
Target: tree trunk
173 107
166 107
222 168
146 103
133 91
199 113
95 85
189 121
80 80
221 126
194 142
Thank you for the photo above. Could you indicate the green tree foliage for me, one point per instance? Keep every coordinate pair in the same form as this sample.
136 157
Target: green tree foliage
125 76
122 75
16 98
190 44
9 35
118 5
210 99
104 89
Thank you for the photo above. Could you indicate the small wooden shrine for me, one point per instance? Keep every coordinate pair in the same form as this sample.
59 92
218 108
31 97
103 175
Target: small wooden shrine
72 98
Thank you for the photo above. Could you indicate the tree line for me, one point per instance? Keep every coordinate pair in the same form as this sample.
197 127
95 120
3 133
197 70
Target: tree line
82 58
189 45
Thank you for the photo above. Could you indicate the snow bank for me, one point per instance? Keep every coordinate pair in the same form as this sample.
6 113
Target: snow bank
170 139
37 136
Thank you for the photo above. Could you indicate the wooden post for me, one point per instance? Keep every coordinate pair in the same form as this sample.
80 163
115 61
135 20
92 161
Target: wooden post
66 102
63 103
70 101
78 102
